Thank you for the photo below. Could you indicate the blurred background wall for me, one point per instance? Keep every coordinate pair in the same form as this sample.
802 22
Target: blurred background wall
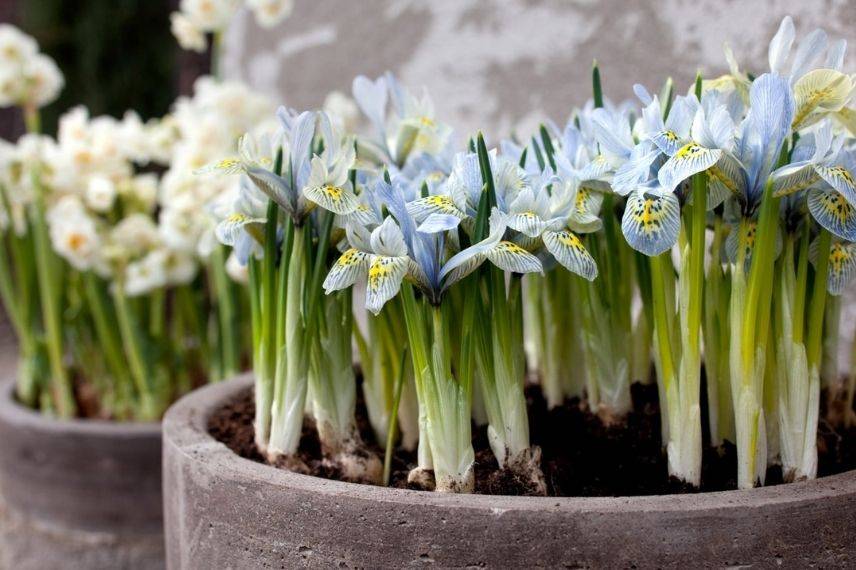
500 64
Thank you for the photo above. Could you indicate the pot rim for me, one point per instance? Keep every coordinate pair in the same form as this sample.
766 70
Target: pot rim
185 432
19 415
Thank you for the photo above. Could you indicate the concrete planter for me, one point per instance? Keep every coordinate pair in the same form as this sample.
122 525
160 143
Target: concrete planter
223 511
78 494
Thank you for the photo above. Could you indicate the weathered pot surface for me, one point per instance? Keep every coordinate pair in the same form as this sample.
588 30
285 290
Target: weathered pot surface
78 493
223 511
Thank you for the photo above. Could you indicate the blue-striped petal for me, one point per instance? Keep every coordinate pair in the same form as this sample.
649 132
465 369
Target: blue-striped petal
651 222
527 223
833 212
230 229
509 256
439 204
842 267
667 141
460 265
436 223
587 201
338 199
793 178
841 179
230 165
597 169
347 269
384 280
274 187
363 215
725 178
734 242
569 251
690 159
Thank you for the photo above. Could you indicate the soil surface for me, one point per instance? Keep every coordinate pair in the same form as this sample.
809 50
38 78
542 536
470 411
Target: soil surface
580 455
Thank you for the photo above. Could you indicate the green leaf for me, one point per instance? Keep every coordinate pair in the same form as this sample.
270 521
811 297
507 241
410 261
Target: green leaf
596 86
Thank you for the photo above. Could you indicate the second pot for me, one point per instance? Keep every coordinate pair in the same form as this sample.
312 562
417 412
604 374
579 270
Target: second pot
78 494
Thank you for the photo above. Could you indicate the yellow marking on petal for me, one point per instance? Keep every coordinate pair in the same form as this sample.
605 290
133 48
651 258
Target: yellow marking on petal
749 239
236 218
838 256
332 192
671 135
824 89
228 163
843 173
350 257
648 215
569 239
443 203
836 206
718 175
688 151
378 271
427 122
510 247
583 195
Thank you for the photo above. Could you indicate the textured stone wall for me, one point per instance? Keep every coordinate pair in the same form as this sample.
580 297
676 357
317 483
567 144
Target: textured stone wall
501 65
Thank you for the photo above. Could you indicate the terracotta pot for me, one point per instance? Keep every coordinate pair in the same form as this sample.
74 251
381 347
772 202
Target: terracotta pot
79 493
223 511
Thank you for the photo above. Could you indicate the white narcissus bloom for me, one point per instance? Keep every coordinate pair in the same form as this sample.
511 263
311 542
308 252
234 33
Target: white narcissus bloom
182 227
146 274
133 236
15 46
27 77
134 138
181 268
270 12
188 34
196 18
160 138
210 15
208 125
43 81
142 190
74 233
100 194
9 82
91 147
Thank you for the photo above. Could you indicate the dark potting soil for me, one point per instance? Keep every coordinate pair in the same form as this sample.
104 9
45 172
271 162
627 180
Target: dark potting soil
580 455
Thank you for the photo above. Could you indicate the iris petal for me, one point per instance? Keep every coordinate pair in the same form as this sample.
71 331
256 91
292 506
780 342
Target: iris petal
841 179
347 269
690 159
339 200
509 256
384 280
833 212
842 267
568 250
651 223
